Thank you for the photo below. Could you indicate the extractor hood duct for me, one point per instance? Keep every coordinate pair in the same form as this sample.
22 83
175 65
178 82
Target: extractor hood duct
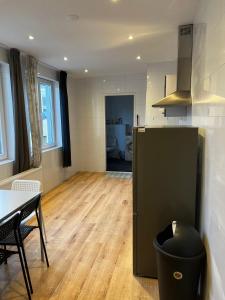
182 96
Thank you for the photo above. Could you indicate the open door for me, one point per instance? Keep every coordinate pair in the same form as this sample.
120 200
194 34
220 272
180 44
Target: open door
119 125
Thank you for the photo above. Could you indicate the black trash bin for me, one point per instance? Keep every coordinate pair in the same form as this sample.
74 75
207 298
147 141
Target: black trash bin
180 260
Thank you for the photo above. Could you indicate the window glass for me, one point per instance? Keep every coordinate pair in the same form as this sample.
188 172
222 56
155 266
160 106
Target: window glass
3 150
47 113
1 138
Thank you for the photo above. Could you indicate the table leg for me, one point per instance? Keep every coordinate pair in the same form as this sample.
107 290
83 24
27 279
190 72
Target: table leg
43 230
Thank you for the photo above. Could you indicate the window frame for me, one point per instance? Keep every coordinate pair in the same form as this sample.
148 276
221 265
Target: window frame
4 155
51 83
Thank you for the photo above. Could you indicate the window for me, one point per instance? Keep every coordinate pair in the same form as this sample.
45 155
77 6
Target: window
47 105
3 150
2 139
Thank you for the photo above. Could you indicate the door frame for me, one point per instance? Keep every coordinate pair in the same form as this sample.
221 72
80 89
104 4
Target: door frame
134 115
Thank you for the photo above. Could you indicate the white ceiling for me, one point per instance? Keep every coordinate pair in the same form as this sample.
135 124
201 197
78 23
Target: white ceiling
99 39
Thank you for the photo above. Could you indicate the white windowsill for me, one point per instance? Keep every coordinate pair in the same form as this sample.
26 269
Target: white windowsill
5 162
51 149
9 161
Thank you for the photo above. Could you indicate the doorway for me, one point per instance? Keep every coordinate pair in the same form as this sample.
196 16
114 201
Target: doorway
119 116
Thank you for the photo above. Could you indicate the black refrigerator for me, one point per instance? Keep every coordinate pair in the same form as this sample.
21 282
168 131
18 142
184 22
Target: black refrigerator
164 187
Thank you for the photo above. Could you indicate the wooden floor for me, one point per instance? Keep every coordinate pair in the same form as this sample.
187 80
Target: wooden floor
89 228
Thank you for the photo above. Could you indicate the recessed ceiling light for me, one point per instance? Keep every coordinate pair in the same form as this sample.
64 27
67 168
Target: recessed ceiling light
65 58
31 37
86 71
130 37
115 1
104 80
138 57
73 17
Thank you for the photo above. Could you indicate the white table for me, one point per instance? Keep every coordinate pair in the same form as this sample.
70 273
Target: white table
13 201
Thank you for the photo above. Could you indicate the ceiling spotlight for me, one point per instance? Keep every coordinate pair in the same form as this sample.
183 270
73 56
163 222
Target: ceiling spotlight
104 80
65 58
115 1
86 71
138 57
130 37
73 17
31 37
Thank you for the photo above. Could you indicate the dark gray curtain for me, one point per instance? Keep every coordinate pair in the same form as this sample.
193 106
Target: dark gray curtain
65 120
22 155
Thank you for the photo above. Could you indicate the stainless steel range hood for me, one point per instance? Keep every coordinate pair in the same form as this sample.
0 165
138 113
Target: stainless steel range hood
182 97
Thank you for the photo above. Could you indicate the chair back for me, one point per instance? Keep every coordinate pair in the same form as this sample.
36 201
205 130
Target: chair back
27 186
30 207
10 225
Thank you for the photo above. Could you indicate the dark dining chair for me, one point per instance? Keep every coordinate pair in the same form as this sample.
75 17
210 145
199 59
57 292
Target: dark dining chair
24 230
9 228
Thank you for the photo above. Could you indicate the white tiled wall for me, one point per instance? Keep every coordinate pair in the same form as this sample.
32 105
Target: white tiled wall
155 92
209 113
90 94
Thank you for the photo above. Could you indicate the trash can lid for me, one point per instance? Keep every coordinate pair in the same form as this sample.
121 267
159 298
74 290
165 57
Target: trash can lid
180 240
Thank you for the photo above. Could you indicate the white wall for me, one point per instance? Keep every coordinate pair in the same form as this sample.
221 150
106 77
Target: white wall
209 113
155 92
32 174
90 94
3 55
6 170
